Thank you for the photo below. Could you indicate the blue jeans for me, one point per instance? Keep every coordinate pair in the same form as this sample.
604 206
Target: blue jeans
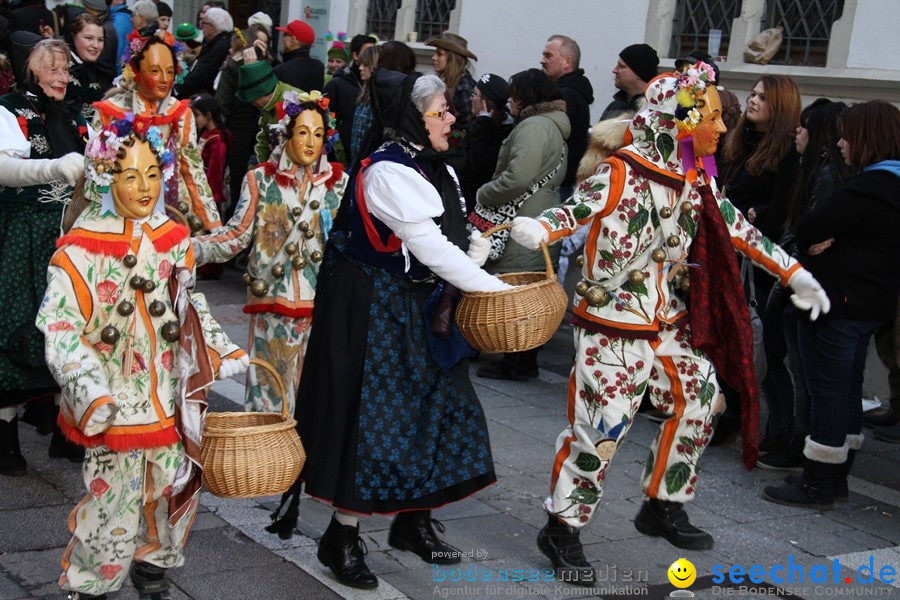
790 318
834 357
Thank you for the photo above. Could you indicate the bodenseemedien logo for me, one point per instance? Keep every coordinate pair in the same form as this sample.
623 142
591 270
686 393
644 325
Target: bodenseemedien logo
682 574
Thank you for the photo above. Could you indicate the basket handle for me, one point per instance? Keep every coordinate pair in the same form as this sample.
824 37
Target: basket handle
544 248
278 382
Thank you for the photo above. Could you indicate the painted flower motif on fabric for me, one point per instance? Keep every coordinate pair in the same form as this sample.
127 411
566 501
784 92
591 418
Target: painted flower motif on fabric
281 356
98 487
168 360
61 326
109 571
165 269
108 291
275 229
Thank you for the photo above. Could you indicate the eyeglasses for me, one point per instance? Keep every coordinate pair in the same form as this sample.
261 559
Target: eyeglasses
440 114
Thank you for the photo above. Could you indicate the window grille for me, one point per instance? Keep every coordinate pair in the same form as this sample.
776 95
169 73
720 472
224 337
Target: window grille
382 18
694 19
433 17
807 29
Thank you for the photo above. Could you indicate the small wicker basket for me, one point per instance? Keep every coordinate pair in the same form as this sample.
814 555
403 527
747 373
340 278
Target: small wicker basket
515 320
247 455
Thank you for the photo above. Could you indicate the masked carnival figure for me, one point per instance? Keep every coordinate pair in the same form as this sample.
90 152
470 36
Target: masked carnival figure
661 233
134 351
152 67
285 214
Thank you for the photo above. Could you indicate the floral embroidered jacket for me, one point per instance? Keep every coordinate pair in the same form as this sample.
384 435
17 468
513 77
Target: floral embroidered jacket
92 288
280 205
640 200
176 122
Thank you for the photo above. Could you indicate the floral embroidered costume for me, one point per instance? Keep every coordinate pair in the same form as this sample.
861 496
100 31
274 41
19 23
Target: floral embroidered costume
286 211
148 98
653 211
134 351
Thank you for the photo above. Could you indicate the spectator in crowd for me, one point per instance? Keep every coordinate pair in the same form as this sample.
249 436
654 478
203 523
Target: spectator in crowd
531 166
343 90
144 18
206 6
491 127
371 290
860 271
560 62
88 79
298 68
887 420
758 171
216 27
192 38
109 59
264 21
63 14
397 56
635 67
165 16
42 140
338 58
452 63
822 170
362 118
121 18
257 85
33 16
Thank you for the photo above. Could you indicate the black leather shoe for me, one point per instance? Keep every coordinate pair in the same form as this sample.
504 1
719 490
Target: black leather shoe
342 550
667 519
781 460
80 596
413 531
510 367
561 544
60 447
881 417
11 460
150 581
41 414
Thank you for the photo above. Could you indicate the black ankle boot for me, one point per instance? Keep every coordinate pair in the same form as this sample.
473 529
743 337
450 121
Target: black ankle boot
284 526
11 460
342 550
60 447
42 414
150 581
509 367
81 596
561 544
668 519
413 531
814 488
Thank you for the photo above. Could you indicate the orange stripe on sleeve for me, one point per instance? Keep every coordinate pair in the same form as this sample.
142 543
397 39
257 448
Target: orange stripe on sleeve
82 291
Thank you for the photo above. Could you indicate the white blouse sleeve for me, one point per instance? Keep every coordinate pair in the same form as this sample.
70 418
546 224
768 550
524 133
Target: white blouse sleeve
12 140
404 201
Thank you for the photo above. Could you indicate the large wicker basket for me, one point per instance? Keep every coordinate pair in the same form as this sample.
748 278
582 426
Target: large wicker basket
522 318
247 455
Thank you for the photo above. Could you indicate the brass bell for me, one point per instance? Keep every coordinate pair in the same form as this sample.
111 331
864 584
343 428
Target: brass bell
309 234
581 287
195 223
136 282
109 335
130 260
157 308
183 207
636 277
595 296
148 286
296 211
171 331
259 288
580 260
303 226
314 205
665 212
247 278
658 255
291 249
685 284
683 270
298 262
686 206
672 241
125 308
277 270
316 256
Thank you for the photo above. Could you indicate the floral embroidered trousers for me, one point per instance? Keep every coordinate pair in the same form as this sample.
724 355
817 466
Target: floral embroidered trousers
280 341
607 383
124 517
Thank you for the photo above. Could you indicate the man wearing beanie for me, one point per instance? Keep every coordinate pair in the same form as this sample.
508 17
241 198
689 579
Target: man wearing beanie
636 67
560 61
338 58
299 69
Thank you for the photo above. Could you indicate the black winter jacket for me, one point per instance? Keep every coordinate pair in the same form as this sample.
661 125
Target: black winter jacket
579 95
343 90
301 71
203 73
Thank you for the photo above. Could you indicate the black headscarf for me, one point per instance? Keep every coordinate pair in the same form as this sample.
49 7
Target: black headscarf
396 118
58 114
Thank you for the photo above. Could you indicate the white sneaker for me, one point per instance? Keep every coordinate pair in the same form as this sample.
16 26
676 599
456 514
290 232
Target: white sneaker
870 403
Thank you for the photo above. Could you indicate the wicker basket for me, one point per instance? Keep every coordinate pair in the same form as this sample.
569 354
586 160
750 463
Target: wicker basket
247 455
515 320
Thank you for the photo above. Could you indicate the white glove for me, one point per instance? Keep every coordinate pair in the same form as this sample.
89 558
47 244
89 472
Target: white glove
100 419
808 294
233 366
479 248
70 167
529 232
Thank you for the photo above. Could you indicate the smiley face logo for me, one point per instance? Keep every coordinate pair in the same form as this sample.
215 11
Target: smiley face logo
682 573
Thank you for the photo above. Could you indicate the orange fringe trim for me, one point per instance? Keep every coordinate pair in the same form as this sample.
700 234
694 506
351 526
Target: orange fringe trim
119 443
155 119
278 309
171 238
337 171
104 247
